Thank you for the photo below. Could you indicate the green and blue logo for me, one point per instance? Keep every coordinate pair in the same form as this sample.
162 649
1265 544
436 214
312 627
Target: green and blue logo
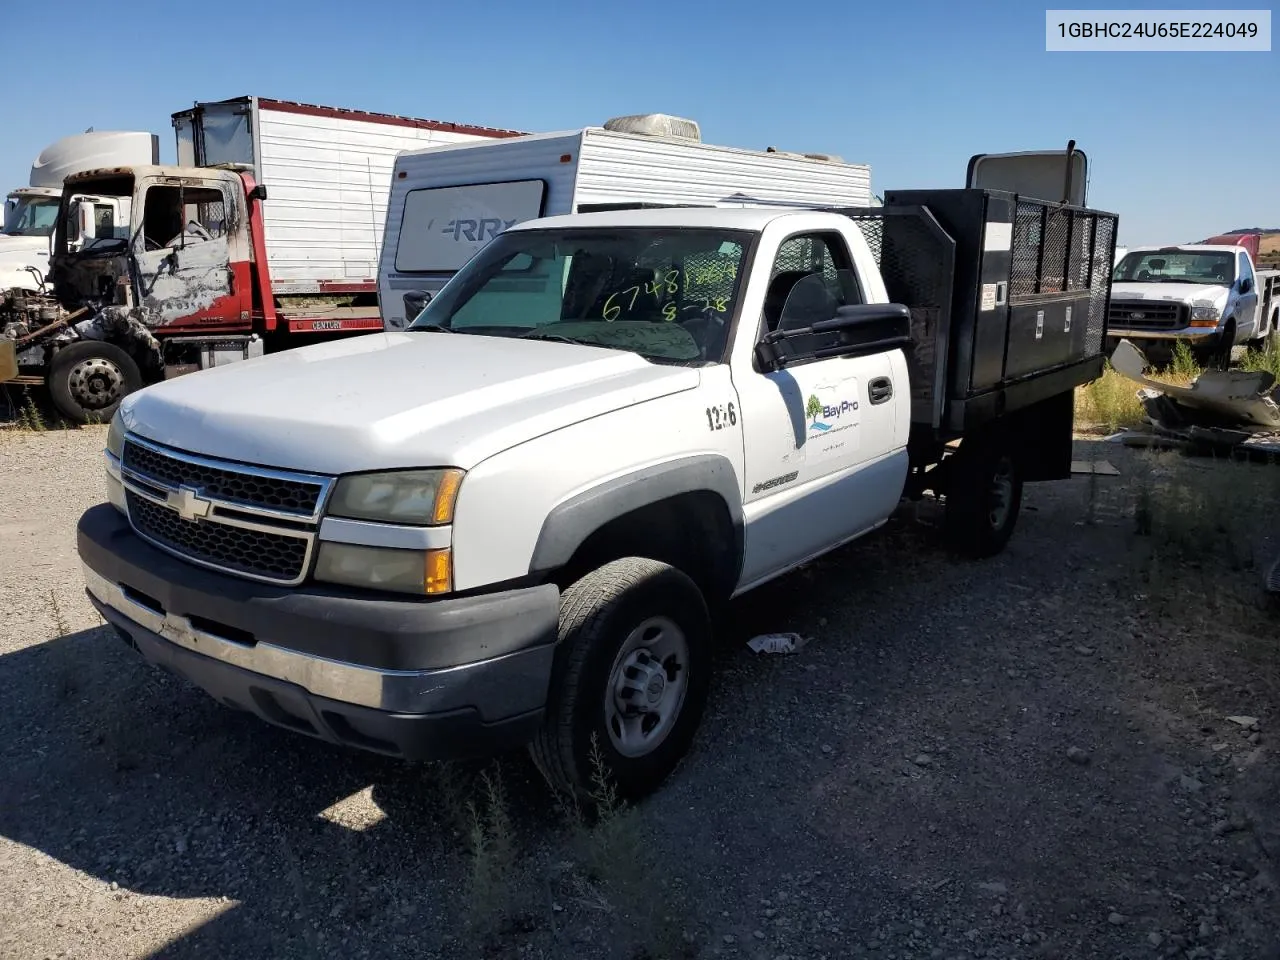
822 415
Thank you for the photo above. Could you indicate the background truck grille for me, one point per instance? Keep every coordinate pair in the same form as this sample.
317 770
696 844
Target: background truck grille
1146 315
271 556
251 489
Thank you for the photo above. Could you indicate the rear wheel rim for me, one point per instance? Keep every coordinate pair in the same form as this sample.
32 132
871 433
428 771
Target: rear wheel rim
1000 494
95 383
647 687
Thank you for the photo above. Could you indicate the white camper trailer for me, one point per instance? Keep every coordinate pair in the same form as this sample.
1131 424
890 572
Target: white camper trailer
447 202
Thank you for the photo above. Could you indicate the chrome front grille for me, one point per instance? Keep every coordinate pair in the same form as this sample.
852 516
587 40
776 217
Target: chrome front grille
233 484
1147 315
248 521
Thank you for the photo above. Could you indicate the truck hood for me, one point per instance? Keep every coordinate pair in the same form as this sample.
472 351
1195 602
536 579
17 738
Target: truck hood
15 254
1179 292
388 400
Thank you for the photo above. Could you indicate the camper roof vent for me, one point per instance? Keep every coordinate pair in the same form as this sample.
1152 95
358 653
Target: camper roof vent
656 125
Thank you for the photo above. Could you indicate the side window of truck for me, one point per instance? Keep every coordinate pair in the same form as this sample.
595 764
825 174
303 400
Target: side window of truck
812 276
104 221
180 216
1245 273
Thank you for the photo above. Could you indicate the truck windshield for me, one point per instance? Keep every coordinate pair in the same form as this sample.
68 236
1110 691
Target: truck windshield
666 294
1157 266
31 217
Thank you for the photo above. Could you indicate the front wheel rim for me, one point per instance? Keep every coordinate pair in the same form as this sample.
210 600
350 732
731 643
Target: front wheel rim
647 686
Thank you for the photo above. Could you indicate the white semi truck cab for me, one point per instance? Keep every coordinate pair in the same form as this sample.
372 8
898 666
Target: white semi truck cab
517 520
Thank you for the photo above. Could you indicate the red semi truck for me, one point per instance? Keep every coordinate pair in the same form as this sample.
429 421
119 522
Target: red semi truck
212 271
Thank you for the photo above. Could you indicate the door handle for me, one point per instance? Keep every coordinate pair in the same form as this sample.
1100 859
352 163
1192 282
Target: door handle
880 389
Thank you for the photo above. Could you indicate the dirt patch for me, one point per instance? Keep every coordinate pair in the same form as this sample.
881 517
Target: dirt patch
1026 757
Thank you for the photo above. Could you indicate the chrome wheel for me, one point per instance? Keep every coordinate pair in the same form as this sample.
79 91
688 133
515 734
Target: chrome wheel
646 687
1000 494
95 382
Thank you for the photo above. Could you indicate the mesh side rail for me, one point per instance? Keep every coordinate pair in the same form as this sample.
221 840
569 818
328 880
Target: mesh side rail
916 258
1104 249
1064 249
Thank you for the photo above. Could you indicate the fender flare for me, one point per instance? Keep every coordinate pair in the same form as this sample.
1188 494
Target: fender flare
568 525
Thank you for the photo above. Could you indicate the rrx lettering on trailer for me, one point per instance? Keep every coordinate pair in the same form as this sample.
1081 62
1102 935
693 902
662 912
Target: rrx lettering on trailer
484 229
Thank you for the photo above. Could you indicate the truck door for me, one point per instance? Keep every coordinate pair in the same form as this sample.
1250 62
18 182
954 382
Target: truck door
1247 318
183 254
825 456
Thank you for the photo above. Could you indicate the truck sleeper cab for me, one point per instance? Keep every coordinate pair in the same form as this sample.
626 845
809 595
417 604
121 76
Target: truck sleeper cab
517 523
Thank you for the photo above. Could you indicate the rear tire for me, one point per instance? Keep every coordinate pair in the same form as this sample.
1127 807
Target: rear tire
984 496
88 379
1271 340
634 653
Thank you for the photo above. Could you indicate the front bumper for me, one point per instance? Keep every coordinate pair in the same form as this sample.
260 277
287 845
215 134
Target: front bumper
418 679
1192 334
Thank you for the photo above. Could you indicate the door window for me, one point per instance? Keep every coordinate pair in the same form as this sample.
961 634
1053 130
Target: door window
1246 272
812 277
177 217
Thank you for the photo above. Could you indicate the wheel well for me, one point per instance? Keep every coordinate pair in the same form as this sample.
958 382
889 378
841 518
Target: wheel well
693 532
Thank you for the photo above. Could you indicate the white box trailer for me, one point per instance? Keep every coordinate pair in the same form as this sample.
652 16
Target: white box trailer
327 170
447 202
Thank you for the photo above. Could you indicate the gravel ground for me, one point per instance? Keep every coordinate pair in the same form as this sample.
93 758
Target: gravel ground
1028 757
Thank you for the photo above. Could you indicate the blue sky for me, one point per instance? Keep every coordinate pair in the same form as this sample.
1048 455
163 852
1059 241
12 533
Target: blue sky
1179 144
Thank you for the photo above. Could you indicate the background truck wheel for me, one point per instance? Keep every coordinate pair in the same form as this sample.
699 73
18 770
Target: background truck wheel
1220 353
984 496
1272 339
88 379
633 672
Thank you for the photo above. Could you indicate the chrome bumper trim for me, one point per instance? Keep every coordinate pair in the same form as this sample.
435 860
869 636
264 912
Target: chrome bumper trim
396 691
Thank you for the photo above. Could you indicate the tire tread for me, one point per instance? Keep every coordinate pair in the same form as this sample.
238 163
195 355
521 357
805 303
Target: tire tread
584 606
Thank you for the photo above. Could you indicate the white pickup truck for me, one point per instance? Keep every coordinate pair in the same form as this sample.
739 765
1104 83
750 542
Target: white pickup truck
1209 295
514 521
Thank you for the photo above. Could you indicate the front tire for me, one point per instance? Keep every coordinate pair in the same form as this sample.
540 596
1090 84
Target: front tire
631 680
1220 353
88 379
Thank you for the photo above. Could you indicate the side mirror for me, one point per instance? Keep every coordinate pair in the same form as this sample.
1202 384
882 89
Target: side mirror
415 301
858 329
1246 285
259 192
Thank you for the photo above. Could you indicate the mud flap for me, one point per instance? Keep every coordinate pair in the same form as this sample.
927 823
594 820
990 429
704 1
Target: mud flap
8 360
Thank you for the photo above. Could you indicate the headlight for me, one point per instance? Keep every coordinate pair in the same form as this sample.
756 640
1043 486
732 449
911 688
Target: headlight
385 568
415 497
115 451
1205 312
115 436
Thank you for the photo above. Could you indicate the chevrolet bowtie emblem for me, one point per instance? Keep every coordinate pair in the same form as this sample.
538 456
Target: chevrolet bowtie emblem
188 502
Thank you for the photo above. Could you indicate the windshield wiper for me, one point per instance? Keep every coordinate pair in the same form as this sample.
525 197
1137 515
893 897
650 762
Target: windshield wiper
433 327
536 334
